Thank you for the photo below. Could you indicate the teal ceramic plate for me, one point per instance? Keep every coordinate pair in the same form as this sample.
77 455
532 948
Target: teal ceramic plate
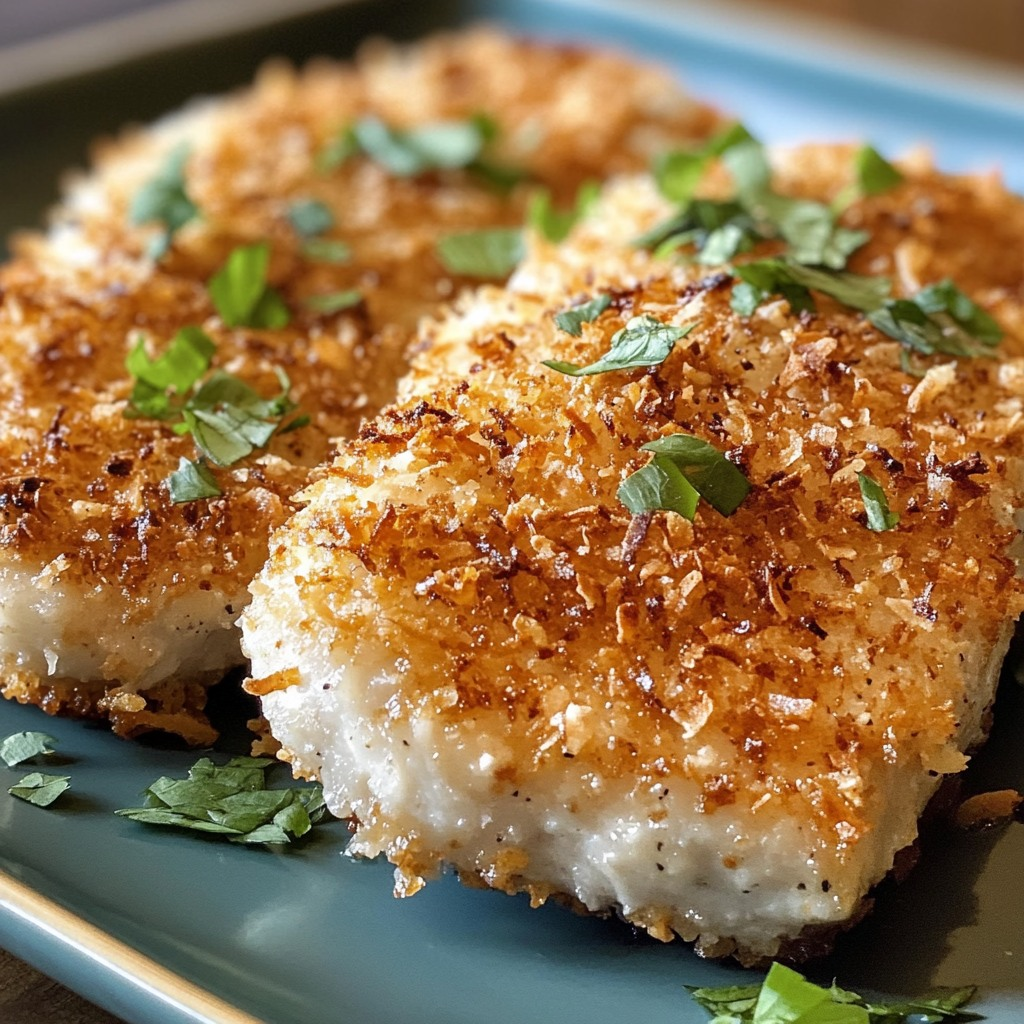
162 928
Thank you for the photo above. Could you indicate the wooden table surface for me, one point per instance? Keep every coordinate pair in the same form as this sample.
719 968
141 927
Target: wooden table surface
992 28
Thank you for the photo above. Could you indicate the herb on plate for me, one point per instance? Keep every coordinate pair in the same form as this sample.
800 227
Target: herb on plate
681 459
787 997
334 302
164 200
40 789
240 292
873 175
233 801
24 746
311 219
643 342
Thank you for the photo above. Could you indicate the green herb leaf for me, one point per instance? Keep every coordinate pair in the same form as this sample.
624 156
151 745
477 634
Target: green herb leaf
444 145
334 302
778 276
874 173
233 801
678 173
240 292
191 481
573 319
40 789
23 746
176 370
326 250
310 217
786 997
555 225
491 253
880 518
718 481
643 342
163 199
659 486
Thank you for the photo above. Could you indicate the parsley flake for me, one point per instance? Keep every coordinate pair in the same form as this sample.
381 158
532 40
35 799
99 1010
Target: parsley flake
678 172
164 200
491 253
643 342
552 224
326 250
573 319
159 382
232 801
334 302
240 292
683 469
873 175
40 789
24 746
192 480
787 997
310 217
876 505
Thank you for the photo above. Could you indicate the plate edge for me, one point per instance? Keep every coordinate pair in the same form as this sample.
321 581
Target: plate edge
88 944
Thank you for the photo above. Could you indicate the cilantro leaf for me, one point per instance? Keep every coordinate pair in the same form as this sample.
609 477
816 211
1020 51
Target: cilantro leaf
787 997
678 172
310 217
233 801
659 486
24 746
164 200
718 481
573 319
880 518
873 175
491 253
683 469
334 302
326 250
781 276
555 225
192 480
176 370
240 292
40 789
643 342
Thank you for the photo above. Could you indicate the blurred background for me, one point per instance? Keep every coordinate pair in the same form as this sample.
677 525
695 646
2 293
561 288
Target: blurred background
987 28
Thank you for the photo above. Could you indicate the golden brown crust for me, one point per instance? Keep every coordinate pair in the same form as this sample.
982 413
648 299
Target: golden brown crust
82 488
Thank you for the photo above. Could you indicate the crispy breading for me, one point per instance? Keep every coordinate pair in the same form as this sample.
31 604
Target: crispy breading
117 603
724 729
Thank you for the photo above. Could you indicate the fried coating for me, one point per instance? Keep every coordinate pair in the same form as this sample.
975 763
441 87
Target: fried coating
725 729
116 602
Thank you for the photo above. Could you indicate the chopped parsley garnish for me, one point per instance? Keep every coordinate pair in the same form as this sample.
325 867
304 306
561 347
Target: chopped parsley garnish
40 789
326 250
164 200
786 997
659 486
554 224
334 302
407 152
227 419
310 217
191 481
876 505
491 253
240 292
683 469
678 173
24 746
873 175
794 281
573 319
643 342
232 801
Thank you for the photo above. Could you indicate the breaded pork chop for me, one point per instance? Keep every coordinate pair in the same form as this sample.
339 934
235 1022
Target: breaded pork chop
723 729
114 600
